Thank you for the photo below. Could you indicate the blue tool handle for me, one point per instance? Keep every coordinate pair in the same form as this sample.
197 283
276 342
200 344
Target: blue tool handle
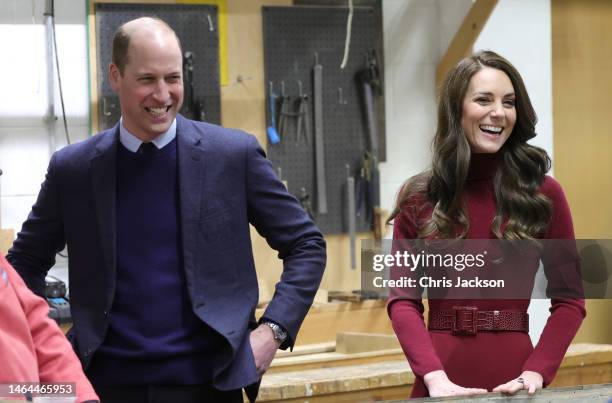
273 136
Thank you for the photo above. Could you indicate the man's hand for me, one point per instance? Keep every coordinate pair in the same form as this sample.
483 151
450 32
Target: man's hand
439 385
529 380
264 347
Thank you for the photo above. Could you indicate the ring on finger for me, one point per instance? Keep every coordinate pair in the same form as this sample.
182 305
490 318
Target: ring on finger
521 381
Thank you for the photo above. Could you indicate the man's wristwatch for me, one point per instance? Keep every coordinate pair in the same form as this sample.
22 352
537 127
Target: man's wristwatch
280 334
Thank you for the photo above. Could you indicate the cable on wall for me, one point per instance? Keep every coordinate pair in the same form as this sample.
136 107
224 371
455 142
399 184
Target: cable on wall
59 83
50 11
347 42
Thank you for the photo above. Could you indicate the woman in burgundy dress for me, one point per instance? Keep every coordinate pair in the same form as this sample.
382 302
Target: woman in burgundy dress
486 182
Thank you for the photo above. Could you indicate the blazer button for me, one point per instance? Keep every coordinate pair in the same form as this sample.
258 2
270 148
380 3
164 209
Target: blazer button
106 314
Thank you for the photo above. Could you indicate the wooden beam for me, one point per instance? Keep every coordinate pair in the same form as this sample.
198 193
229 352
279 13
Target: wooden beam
463 41
307 349
313 383
333 359
358 342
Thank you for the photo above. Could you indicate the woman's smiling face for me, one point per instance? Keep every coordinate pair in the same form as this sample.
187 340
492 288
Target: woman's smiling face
489 112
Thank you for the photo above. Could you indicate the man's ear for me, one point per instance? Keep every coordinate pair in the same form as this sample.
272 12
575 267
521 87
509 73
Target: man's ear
114 76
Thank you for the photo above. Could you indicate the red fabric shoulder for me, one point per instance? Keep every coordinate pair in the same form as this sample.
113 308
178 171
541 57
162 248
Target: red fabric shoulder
560 226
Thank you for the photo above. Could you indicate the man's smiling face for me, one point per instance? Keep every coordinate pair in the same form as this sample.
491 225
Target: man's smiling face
150 88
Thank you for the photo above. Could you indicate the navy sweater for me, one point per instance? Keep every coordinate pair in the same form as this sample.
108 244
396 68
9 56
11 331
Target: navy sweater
153 337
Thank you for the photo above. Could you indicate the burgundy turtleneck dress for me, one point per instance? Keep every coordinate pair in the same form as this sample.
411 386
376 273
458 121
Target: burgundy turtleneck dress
487 359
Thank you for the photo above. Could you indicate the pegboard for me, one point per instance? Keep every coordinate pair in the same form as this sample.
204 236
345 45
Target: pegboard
196 27
292 38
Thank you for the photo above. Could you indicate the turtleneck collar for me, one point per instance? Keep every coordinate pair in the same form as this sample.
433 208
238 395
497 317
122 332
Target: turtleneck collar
482 166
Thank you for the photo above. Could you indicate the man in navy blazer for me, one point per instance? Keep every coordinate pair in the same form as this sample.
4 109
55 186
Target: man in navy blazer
155 213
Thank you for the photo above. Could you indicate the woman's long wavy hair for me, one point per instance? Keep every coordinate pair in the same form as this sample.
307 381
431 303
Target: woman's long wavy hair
520 170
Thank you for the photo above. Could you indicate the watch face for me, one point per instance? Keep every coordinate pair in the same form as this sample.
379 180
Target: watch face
279 333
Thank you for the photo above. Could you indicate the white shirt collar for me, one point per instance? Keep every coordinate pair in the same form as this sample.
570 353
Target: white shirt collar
132 142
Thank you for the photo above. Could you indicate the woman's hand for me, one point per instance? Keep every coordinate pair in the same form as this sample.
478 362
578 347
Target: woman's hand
439 385
529 380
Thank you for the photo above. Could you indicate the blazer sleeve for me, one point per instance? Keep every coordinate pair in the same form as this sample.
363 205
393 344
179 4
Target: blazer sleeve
56 360
566 313
41 236
287 228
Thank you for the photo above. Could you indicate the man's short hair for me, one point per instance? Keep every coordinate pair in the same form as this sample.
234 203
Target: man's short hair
121 43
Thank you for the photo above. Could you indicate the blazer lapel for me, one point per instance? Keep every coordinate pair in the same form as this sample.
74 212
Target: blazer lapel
191 167
104 187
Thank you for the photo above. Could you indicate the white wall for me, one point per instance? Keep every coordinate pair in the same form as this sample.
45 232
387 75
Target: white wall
520 30
417 33
24 142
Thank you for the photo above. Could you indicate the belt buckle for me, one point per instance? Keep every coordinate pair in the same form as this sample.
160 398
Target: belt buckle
465 320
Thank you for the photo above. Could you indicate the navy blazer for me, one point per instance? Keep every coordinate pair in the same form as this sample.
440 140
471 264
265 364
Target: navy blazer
225 184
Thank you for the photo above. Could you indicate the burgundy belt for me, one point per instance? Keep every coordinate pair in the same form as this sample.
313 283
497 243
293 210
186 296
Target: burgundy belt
468 320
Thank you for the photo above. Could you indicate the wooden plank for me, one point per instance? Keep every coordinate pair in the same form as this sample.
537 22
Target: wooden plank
583 375
307 349
579 353
367 395
463 41
357 342
333 359
326 381
585 363
321 383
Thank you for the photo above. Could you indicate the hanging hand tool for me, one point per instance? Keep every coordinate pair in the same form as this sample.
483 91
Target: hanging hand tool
351 214
282 115
279 170
361 189
369 81
303 117
305 202
317 72
272 133
193 107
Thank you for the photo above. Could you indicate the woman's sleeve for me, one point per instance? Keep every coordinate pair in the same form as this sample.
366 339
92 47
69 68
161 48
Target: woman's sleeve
57 361
562 268
406 311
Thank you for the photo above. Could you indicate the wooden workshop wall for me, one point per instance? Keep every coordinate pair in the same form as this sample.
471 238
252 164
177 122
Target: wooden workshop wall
582 84
243 106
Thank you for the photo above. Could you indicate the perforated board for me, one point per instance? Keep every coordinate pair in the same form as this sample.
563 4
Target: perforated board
292 36
196 27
